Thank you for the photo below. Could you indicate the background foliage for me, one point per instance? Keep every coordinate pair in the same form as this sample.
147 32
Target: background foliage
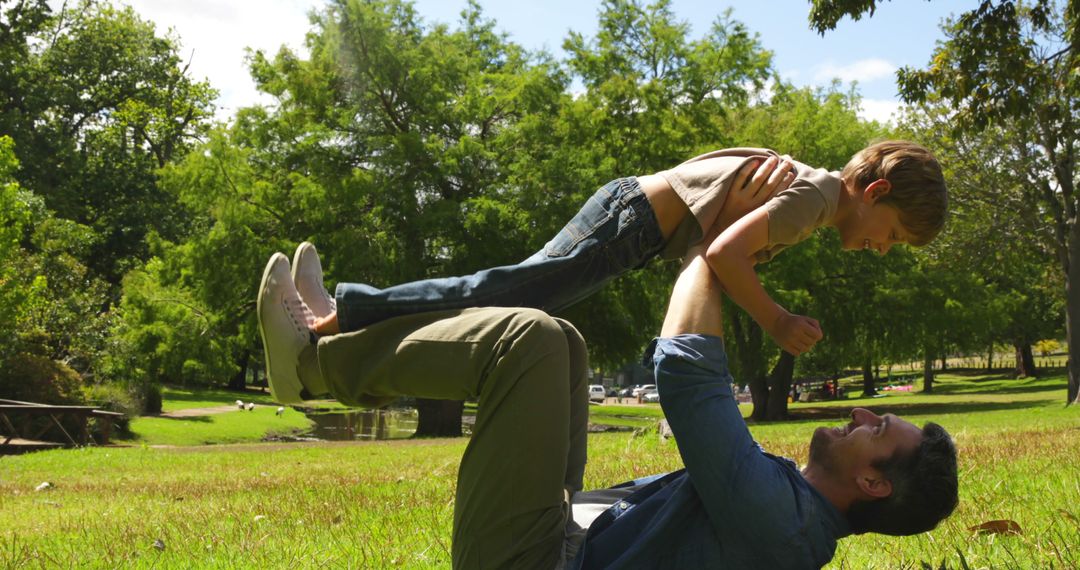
133 227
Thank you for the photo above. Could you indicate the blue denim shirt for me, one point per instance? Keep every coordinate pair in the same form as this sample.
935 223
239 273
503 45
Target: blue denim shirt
733 506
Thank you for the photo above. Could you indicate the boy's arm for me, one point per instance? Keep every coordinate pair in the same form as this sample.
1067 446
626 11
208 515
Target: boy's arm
731 257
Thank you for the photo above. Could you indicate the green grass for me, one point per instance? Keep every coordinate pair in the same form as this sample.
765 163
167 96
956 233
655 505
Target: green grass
389 504
234 426
175 398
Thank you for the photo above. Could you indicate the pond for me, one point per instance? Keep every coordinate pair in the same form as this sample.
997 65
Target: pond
349 425
352 425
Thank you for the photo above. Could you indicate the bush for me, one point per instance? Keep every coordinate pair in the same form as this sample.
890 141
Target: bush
151 398
1047 347
33 378
113 397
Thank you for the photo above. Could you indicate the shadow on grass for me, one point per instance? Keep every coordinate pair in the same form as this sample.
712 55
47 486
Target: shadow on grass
1002 373
910 409
1028 389
203 394
205 419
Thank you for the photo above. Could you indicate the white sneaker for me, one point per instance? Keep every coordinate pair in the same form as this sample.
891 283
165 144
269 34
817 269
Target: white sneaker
307 274
284 326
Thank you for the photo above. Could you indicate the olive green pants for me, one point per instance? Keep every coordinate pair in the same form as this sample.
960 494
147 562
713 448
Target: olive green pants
527 371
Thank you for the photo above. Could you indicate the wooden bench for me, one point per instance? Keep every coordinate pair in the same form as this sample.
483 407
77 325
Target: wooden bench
14 441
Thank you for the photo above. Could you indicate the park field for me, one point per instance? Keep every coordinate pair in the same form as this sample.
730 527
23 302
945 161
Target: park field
389 504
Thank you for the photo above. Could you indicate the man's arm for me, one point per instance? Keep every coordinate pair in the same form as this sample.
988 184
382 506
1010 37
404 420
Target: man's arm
748 498
731 258
744 493
695 305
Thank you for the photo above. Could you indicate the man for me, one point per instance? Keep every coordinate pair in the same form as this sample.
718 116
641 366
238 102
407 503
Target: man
733 506
736 506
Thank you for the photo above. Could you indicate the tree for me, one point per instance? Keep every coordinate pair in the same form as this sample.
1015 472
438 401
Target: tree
97 102
819 127
48 300
989 235
400 149
1013 66
653 98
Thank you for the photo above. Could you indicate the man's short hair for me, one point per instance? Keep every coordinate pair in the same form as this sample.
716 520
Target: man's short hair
924 489
917 184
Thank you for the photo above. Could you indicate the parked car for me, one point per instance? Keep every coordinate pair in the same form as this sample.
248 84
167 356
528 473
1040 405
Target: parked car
651 396
628 391
596 393
613 392
644 388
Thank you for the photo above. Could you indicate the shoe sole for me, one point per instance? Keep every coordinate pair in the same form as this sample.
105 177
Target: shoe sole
262 329
296 263
296 257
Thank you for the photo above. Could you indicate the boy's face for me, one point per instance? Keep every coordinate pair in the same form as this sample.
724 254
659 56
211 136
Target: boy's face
876 228
873 226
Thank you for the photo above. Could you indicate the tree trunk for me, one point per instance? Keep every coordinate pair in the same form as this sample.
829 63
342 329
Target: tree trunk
759 395
928 371
439 418
1072 313
868 388
779 386
751 362
1025 360
239 380
990 358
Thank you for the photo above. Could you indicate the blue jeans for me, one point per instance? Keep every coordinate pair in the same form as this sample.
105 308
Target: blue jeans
614 232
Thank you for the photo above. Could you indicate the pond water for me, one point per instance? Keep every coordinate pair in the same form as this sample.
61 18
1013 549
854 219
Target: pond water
351 425
362 424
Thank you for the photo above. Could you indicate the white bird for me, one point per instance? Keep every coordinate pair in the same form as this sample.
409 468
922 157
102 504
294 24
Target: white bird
250 406
240 404
280 410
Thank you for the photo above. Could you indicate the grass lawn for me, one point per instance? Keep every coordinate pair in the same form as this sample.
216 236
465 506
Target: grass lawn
389 504
233 426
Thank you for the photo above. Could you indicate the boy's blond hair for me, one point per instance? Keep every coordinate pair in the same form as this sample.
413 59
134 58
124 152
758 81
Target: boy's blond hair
918 186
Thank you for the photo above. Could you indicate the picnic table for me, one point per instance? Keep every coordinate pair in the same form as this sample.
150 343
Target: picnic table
15 440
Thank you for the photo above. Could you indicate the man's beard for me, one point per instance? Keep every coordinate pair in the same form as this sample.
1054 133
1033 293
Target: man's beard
820 452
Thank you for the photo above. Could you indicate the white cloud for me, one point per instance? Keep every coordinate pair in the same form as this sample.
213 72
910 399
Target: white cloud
882 110
863 71
214 34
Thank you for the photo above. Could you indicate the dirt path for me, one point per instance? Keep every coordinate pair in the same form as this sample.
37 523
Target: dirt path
190 412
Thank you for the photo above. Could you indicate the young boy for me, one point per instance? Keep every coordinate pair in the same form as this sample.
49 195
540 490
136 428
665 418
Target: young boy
890 192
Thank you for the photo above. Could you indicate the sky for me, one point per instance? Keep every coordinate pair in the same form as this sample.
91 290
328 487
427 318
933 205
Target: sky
214 34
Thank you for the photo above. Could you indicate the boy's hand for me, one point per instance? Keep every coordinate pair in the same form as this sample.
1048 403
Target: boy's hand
753 185
795 334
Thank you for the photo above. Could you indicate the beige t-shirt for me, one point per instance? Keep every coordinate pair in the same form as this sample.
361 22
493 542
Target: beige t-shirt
703 183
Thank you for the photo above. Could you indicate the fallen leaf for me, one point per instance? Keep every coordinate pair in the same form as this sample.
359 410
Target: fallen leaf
1004 526
159 544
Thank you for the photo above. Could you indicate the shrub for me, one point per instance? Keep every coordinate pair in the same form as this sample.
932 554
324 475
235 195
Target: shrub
34 378
114 397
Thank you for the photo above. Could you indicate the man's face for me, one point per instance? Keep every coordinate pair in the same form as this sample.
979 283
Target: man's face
849 451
